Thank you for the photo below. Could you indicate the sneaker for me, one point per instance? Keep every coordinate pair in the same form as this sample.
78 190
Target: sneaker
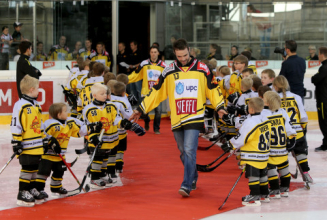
24 198
107 180
194 185
39 198
284 191
274 194
184 192
308 177
251 200
61 192
113 177
264 198
321 148
157 132
97 184
146 125
45 195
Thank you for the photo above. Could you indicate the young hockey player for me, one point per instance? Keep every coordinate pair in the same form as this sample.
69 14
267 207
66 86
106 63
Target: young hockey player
247 72
240 63
267 77
281 142
293 105
28 140
253 141
256 83
58 129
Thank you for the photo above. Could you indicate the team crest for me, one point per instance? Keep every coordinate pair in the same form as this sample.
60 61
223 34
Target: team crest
179 88
105 123
61 138
36 126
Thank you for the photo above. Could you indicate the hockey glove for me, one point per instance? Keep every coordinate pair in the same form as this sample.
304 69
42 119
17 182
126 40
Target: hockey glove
71 98
233 98
17 147
45 144
232 110
94 140
132 99
54 145
138 130
94 127
242 110
227 147
126 124
290 143
229 119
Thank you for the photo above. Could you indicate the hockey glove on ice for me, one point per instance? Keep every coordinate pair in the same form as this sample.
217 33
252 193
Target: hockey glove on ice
227 147
137 129
17 147
229 119
126 124
290 143
94 127
233 98
54 145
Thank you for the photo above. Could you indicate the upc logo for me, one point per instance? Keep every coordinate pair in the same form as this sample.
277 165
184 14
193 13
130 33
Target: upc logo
261 63
48 65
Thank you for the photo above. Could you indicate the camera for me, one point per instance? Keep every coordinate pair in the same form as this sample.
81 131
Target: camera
281 51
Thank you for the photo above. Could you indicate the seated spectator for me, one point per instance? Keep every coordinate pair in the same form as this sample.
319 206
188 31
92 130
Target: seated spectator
215 52
312 52
40 55
195 51
233 53
250 50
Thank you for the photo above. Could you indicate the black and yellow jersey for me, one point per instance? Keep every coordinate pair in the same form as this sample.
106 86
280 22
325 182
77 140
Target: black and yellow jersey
72 127
26 126
148 72
281 129
41 57
253 139
83 52
107 115
252 66
73 82
59 53
72 72
235 83
187 87
295 110
245 97
85 96
103 58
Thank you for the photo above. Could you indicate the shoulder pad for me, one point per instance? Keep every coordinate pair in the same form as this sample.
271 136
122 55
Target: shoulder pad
168 69
204 67
144 62
81 50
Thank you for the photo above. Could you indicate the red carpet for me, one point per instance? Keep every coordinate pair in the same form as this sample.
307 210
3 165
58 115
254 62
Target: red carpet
152 176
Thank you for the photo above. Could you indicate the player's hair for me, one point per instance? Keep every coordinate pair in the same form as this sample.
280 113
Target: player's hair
154 47
247 83
79 60
82 64
271 74
280 84
89 39
106 69
273 100
55 109
180 44
213 62
4 27
119 88
98 69
224 70
111 84
122 78
248 70
134 42
38 43
256 103
27 83
256 82
247 54
262 90
323 51
123 43
242 59
98 87
23 46
108 76
108 90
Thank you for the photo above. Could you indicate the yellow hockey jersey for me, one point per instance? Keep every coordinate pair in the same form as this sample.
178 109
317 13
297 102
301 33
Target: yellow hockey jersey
235 83
253 67
73 82
85 96
62 132
253 139
148 72
83 52
103 58
187 87
59 53
26 126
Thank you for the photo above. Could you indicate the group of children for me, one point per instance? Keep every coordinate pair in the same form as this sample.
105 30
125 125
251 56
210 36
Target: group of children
41 146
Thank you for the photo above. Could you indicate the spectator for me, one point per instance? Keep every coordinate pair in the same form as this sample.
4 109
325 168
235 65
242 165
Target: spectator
250 50
87 50
156 44
215 52
73 55
312 52
320 81
168 51
233 53
194 52
40 55
17 54
251 64
122 58
24 67
293 68
101 56
59 51
17 36
6 41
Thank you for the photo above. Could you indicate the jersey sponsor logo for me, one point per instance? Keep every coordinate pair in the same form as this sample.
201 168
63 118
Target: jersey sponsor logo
48 64
230 64
202 66
101 61
36 125
61 138
151 84
105 123
168 69
179 88
261 63
313 63
186 106
187 88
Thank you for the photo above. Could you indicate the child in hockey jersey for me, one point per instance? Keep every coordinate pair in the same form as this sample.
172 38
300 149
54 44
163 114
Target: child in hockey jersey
253 141
247 72
293 105
282 141
256 83
240 63
28 140
267 77
59 129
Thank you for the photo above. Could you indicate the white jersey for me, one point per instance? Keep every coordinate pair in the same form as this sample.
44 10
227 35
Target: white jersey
72 71
125 110
245 97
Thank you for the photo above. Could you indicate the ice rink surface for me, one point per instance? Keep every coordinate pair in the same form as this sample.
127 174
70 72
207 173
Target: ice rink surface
300 205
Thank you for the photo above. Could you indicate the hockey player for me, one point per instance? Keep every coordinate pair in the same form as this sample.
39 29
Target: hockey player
149 71
86 52
293 105
251 64
58 129
101 56
240 63
28 140
247 72
59 51
253 141
281 142
267 77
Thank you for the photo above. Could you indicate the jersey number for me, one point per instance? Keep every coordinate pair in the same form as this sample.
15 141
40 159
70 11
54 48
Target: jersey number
94 113
292 119
278 137
13 121
263 142
29 111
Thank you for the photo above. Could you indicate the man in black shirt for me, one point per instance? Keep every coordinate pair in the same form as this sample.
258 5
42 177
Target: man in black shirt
122 57
24 66
320 81
134 60
312 52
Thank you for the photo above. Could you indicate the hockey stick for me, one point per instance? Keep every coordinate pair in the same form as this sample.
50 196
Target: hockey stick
79 189
301 171
209 169
63 160
207 148
8 162
208 165
294 176
67 67
230 192
81 151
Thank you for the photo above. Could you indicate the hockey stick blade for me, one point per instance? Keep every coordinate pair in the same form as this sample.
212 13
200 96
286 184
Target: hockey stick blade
74 161
294 176
208 165
207 148
81 151
209 169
